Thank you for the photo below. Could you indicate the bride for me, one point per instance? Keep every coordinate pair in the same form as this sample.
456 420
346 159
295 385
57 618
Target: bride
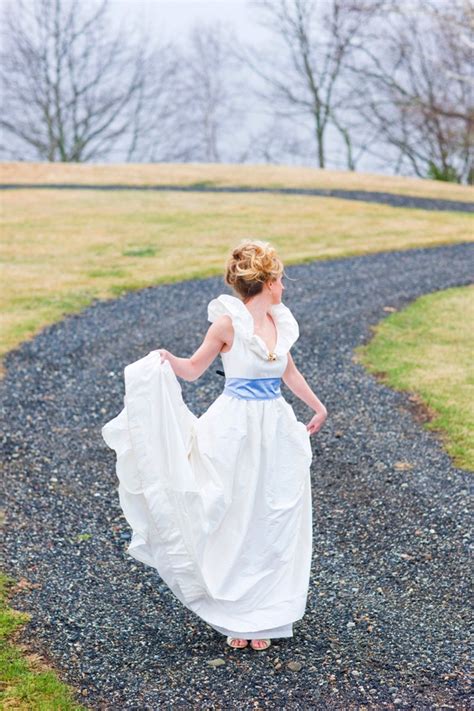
220 505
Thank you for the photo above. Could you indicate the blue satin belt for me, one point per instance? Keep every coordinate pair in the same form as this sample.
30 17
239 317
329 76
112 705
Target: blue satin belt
253 388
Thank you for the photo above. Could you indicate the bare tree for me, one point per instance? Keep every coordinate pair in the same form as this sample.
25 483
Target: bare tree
73 89
418 87
303 73
206 101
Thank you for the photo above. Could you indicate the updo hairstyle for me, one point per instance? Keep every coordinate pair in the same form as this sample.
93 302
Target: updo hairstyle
250 265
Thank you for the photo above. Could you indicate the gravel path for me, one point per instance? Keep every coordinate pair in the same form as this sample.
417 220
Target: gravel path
385 625
364 195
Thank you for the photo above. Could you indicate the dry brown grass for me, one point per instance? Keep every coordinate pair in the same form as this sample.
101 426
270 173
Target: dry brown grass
61 249
226 175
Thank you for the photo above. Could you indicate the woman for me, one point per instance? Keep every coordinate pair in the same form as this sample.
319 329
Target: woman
220 505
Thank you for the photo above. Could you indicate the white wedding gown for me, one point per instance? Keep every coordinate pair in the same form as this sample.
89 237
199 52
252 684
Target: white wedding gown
220 504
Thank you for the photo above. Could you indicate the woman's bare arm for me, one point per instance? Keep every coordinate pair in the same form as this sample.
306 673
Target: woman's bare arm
298 385
219 333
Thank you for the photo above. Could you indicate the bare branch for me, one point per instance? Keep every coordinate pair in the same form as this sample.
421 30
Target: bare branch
313 39
81 87
418 97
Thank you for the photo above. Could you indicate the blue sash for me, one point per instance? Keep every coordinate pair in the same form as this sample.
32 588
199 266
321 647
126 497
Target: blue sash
253 388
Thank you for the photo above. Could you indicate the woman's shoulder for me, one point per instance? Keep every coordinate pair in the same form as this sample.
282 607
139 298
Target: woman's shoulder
223 327
224 304
233 307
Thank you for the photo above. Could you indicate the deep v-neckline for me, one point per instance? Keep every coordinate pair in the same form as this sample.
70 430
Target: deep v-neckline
256 335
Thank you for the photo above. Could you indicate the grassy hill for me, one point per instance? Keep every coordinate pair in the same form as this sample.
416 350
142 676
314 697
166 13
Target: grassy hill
228 175
63 248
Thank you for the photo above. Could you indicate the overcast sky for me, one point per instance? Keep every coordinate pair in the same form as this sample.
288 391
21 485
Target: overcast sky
175 17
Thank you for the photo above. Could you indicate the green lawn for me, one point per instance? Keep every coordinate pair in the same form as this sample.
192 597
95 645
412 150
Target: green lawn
26 682
427 349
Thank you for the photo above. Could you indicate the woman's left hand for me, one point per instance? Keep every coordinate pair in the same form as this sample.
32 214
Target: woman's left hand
316 422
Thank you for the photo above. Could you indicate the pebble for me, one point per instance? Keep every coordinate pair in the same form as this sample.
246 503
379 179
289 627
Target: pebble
295 666
216 662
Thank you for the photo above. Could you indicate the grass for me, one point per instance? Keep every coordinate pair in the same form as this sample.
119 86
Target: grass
26 681
427 349
63 249
208 175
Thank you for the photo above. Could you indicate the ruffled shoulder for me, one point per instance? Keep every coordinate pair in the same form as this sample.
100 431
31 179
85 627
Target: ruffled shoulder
287 325
242 320
231 306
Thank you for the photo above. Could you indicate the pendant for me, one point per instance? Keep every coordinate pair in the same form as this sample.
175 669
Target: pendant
271 356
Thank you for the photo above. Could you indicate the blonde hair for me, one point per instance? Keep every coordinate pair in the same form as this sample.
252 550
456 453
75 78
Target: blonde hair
251 264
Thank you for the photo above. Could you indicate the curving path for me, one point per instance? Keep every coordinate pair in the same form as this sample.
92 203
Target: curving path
386 619
392 199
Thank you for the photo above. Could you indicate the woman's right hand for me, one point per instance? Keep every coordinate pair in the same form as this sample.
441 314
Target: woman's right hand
164 354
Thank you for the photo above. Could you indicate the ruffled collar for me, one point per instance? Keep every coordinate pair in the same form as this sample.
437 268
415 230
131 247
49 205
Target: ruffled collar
242 320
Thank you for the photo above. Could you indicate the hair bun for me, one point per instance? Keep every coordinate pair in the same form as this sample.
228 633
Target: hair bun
250 265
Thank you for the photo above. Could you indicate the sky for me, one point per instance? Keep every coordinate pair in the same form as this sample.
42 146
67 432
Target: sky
176 17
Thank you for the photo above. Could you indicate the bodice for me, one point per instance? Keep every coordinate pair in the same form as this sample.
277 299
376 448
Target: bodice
249 356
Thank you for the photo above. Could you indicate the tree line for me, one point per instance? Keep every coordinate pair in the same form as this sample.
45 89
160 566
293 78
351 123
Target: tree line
331 84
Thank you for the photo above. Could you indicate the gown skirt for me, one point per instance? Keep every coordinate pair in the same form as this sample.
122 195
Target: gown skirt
220 505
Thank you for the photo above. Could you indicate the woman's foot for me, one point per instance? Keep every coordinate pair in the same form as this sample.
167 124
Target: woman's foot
259 644
236 642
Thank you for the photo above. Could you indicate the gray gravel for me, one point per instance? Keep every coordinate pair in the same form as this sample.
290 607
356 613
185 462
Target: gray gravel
387 613
392 199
